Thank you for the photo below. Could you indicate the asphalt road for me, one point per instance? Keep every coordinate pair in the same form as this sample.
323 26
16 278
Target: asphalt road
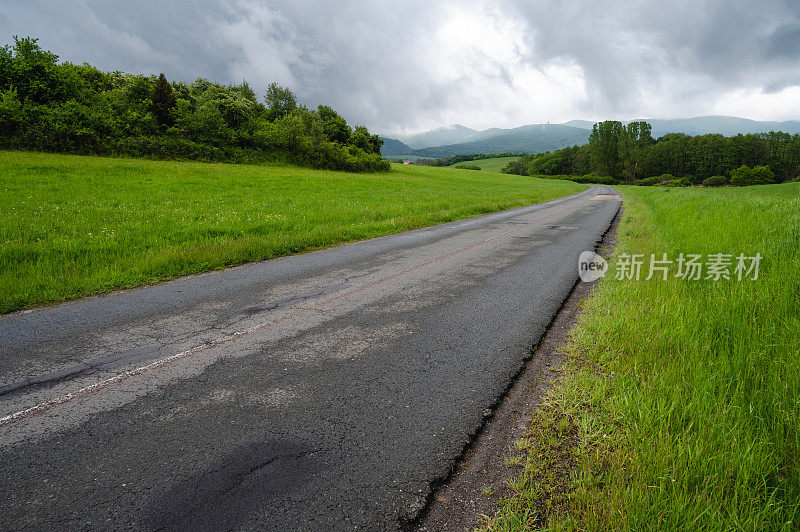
324 391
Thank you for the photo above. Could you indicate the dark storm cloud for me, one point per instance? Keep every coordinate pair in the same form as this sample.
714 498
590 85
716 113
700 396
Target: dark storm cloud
359 58
143 36
417 64
706 47
784 42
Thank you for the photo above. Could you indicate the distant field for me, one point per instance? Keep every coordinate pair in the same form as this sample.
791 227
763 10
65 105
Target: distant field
73 226
681 404
493 165
408 157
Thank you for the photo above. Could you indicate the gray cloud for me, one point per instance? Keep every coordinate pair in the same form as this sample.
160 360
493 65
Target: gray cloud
414 64
690 48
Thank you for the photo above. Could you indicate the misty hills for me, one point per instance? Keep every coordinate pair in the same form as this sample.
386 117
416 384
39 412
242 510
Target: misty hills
395 147
535 138
717 124
526 139
441 136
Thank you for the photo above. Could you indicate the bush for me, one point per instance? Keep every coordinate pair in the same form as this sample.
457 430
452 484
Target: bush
594 179
10 113
359 161
745 176
663 180
680 182
468 166
715 181
583 179
168 148
649 181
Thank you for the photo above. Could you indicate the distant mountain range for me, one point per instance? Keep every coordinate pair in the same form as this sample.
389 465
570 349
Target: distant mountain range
395 147
535 138
722 125
441 136
526 139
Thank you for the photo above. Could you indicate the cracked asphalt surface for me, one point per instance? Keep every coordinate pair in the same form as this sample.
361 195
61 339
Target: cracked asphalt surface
325 391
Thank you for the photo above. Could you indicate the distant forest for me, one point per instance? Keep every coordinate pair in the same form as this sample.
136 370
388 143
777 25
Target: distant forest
630 154
449 161
62 107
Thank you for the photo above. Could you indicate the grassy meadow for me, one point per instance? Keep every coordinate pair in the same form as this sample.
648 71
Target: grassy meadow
73 226
680 403
494 164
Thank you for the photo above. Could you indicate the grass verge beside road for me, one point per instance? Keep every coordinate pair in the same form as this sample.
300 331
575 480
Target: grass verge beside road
680 404
73 226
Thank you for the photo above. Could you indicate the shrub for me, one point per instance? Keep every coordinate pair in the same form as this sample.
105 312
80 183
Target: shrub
594 179
744 176
664 180
360 161
715 181
468 166
168 148
649 181
680 182
584 179
10 112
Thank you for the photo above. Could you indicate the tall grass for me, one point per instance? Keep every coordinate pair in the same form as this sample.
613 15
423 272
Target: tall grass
687 393
71 226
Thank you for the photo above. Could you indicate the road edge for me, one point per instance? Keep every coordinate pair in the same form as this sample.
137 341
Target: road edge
461 499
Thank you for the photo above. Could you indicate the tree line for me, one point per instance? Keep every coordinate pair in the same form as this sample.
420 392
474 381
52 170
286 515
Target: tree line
629 153
62 107
449 161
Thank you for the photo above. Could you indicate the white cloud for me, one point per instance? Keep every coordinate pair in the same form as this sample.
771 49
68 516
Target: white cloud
481 55
270 47
757 104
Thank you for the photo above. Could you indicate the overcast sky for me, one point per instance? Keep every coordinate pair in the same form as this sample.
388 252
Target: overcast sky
405 66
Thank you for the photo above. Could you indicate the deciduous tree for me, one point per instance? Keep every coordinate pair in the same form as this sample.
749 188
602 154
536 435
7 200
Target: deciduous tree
280 101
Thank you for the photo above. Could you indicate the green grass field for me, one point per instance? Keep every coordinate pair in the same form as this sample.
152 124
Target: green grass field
74 226
684 395
493 165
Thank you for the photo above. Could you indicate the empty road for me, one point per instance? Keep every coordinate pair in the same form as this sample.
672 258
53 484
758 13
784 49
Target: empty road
324 391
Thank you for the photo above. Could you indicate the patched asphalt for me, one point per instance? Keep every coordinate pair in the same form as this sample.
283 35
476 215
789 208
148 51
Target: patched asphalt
325 391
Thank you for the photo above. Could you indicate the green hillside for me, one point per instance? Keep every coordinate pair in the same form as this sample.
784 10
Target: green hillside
527 139
438 137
